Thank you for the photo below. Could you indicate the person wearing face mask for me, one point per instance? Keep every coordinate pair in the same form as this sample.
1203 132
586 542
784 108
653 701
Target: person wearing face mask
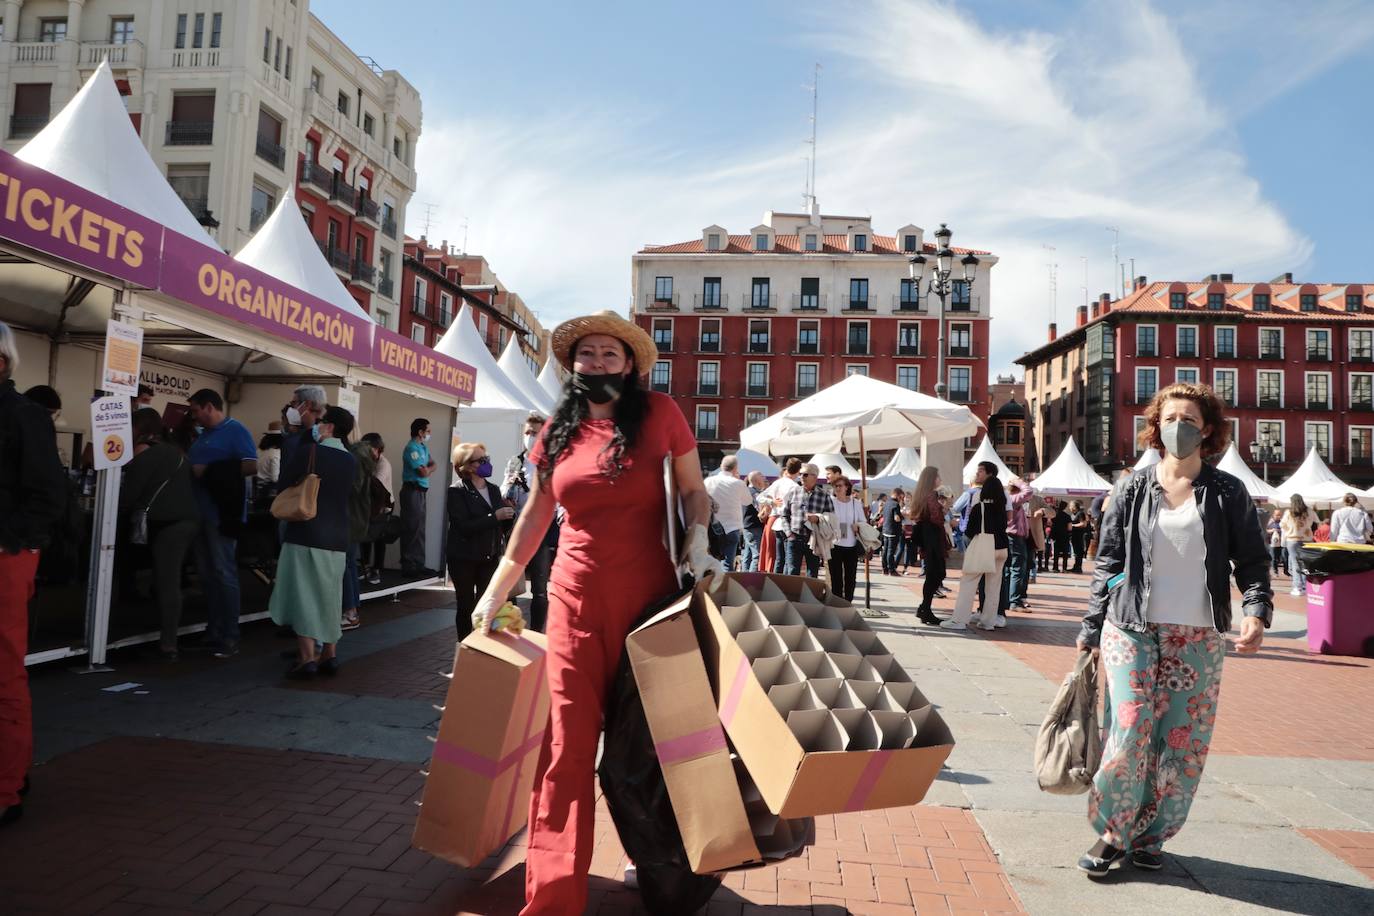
520 474
477 513
601 458
308 591
416 468
1159 610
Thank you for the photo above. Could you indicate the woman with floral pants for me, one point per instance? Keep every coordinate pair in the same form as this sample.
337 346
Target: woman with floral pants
1158 613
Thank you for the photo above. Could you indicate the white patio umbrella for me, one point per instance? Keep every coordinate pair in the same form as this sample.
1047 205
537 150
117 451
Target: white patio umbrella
856 414
986 452
1149 458
1319 487
1233 464
824 460
1070 475
901 471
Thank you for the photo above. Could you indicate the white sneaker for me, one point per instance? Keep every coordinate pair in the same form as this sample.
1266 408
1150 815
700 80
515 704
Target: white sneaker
1296 592
1001 622
986 626
631 876
952 625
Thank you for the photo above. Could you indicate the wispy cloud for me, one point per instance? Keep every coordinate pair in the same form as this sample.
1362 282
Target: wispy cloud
1016 139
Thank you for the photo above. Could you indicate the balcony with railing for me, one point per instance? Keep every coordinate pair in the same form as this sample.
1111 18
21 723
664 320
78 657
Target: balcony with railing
195 57
121 56
1147 350
708 389
344 193
34 52
909 349
1187 352
962 349
363 272
960 395
810 302
1270 352
190 133
655 303
1318 354
369 210
24 126
1362 403
1362 354
1314 403
337 258
708 345
762 302
708 433
270 150
420 309
759 345
386 288
710 302
805 391
756 391
317 176
903 303
857 348
1269 402
856 305
199 207
445 318
389 227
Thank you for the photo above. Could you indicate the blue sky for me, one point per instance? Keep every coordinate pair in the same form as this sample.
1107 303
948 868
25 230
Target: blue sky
1226 136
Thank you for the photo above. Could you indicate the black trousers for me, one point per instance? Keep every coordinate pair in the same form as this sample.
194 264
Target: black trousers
470 578
844 569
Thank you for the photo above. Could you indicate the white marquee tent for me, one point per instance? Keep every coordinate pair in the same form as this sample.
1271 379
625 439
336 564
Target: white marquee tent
284 248
1070 475
551 378
751 461
1319 487
986 452
1232 464
1148 458
901 471
512 362
823 460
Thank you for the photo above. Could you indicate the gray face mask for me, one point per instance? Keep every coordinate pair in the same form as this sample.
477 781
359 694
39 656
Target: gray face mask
1181 439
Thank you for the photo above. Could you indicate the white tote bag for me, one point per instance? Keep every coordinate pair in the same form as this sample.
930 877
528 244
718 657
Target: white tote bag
981 554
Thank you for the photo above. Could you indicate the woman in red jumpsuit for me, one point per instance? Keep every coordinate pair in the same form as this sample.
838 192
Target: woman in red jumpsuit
600 457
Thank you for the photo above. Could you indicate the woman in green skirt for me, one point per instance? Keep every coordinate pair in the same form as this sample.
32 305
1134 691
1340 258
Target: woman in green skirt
309 586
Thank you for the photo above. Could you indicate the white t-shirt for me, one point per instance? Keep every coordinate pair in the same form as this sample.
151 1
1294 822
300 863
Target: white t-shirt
847 514
1178 569
731 495
1350 525
777 490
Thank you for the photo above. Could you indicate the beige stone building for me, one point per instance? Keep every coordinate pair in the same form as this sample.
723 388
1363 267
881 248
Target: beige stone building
231 100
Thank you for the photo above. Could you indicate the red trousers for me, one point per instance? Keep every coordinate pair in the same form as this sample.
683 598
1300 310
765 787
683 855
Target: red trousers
586 637
16 715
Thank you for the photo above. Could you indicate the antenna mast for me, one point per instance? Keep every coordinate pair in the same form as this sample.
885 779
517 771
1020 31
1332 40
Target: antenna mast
1054 282
809 198
1116 257
429 216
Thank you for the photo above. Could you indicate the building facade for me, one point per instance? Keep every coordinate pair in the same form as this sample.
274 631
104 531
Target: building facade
747 324
239 104
1294 362
1007 422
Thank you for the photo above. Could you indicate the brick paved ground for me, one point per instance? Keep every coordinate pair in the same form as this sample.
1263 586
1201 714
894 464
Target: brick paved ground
413 671
1354 847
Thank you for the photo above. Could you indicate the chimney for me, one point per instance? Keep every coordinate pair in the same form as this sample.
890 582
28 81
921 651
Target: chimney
1054 331
1105 300
1226 278
1097 305
1283 278
1082 316
1211 278
1140 282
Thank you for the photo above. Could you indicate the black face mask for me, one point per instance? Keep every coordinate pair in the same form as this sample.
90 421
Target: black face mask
599 389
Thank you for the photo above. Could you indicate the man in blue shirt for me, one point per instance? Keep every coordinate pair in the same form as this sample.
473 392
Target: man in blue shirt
415 470
222 460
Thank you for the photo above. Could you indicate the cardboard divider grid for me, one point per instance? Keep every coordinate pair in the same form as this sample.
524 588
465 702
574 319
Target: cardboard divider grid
834 641
819 617
744 617
779 613
757 644
866 641
848 616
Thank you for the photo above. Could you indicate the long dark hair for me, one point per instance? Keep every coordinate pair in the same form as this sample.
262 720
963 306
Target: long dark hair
630 410
992 492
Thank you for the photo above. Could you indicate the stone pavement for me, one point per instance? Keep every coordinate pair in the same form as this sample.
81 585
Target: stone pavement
216 787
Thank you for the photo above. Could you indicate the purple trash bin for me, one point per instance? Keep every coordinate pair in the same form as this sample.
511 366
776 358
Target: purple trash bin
1340 614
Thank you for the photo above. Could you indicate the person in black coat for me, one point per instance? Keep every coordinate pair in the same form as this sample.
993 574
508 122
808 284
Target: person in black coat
477 514
987 515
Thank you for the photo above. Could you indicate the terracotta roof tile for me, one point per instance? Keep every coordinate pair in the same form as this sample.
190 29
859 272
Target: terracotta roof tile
791 244
1284 301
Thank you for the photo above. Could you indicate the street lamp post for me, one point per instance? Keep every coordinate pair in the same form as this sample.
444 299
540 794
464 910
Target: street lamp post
940 286
1265 451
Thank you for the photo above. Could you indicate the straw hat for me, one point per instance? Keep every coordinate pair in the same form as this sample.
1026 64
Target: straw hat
567 334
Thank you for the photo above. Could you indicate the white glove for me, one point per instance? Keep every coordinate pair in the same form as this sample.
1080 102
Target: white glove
696 555
508 572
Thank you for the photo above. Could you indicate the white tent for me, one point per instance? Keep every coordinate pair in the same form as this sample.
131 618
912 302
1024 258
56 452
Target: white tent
751 461
1070 475
831 420
901 471
1319 487
551 378
1149 458
283 248
497 414
823 460
1232 464
92 143
986 452
512 362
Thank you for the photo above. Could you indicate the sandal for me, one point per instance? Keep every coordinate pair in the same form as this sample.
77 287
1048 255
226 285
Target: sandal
329 666
302 672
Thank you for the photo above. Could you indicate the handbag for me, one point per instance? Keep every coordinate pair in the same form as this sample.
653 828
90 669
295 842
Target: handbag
297 503
138 518
981 554
1069 746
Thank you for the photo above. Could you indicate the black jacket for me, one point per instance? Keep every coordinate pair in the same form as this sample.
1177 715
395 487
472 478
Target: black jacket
988 516
474 534
1124 544
32 485
328 530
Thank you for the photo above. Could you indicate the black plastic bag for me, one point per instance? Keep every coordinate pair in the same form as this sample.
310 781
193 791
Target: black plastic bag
637 796
1333 561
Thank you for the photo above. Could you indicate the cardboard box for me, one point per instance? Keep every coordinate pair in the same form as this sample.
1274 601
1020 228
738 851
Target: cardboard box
690 743
477 789
825 721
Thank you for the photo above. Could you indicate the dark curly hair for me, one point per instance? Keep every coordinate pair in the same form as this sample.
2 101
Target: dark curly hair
1213 415
630 410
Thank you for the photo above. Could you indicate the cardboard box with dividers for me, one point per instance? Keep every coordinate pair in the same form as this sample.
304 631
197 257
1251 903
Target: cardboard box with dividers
821 715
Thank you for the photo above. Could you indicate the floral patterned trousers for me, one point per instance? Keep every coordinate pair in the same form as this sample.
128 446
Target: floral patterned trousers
1161 689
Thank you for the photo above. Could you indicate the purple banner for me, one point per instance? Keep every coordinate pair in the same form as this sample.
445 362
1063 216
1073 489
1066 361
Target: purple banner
212 280
402 358
50 214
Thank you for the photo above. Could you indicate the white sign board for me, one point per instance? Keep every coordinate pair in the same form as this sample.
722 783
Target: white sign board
123 354
350 399
112 434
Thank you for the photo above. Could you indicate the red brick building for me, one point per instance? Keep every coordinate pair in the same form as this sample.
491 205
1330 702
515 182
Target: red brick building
748 324
433 291
1294 362
344 219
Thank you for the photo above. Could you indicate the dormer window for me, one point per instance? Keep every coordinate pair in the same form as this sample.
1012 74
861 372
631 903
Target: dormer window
761 242
713 241
1354 302
909 243
1216 300
860 242
810 244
